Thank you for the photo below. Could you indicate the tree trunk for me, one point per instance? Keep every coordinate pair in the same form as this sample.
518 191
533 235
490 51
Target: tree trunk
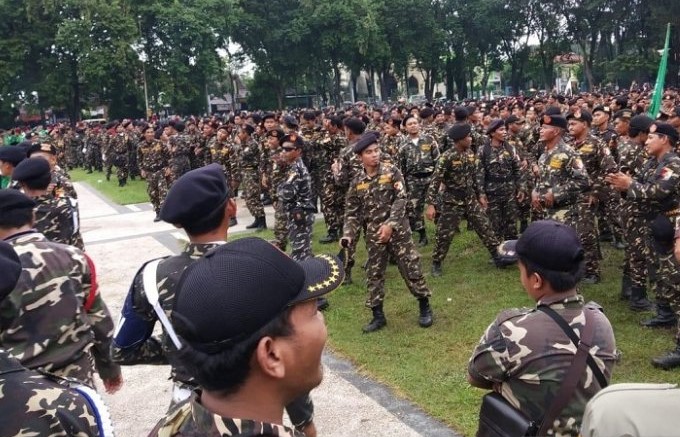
336 84
75 84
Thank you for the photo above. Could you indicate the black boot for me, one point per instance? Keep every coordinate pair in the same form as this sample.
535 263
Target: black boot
348 276
423 241
254 224
668 361
330 238
157 218
638 299
122 182
425 319
625 287
501 262
262 225
436 268
664 318
378 321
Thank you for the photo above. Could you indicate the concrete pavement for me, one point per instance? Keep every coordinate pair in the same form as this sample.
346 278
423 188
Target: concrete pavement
120 238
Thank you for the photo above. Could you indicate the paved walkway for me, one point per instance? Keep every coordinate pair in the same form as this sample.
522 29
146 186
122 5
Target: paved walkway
121 238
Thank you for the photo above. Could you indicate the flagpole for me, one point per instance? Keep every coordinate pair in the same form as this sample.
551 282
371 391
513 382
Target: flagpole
660 77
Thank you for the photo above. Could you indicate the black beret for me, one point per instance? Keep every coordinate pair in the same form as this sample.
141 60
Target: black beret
552 110
494 126
268 115
459 131
195 195
426 112
11 200
276 133
623 113
555 120
293 138
512 119
290 121
249 128
12 154
257 118
580 116
10 266
622 101
233 291
368 138
179 126
641 123
663 129
309 115
33 171
602 108
42 147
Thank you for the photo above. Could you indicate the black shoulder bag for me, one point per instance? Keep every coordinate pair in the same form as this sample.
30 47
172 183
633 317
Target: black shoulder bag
498 418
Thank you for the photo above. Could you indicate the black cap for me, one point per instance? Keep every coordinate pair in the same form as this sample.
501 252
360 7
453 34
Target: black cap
580 115
12 154
10 266
290 121
552 110
548 244
11 200
641 123
555 120
368 138
293 138
459 131
33 171
236 289
625 113
602 108
665 129
195 195
42 147
494 126
513 119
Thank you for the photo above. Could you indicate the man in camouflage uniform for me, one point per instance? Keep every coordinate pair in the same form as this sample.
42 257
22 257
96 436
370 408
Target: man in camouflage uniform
295 193
274 168
225 153
251 173
561 175
93 154
180 151
598 161
54 320
453 195
312 156
119 151
655 193
377 201
225 285
391 139
332 199
417 157
499 181
524 354
152 158
516 138
34 403
55 217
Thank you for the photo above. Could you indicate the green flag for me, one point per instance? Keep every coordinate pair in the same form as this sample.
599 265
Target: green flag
660 78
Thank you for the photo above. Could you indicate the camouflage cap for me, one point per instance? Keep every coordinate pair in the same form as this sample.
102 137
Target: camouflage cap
10 266
226 296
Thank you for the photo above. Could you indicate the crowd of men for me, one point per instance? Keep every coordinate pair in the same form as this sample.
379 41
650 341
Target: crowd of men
595 163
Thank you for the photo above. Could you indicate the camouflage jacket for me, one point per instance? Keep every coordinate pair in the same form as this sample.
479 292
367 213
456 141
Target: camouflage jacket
133 343
375 201
251 156
330 146
389 148
223 153
43 322
418 158
56 218
598 161
152 157
350 166
609 138
295 191
562 172
656 188
528 354
41 404
120 144
499 170
456 173
631 155
61 184
313 155
191 419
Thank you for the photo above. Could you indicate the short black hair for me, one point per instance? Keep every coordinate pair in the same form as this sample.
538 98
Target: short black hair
209 223
225 372
559 281
16 218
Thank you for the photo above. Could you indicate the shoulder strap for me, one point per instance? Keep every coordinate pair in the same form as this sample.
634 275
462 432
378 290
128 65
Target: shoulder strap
574 339
151 292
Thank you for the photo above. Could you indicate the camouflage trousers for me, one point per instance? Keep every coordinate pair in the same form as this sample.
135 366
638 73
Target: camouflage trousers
300 235
332 204
452 211
502 212
609 209
250 183
178 166
280 225
156 188
668 277
635 234
401 247
586 229
417 191
133 165
121 163
93 158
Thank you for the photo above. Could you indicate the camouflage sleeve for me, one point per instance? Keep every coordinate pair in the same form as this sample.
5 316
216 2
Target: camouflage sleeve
489 357
353 213
606 164
519 176
576 182
663 187
435 182
398 208
480 174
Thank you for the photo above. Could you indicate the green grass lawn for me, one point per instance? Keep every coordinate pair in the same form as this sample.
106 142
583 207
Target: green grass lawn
133 192
428 366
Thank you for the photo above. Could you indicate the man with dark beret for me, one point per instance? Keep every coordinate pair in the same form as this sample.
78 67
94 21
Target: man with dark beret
10 157
61 184
376 201
56 217
273 168
54 320
199 203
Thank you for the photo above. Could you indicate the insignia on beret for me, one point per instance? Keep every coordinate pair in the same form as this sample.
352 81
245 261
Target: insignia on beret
652 128
45 147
